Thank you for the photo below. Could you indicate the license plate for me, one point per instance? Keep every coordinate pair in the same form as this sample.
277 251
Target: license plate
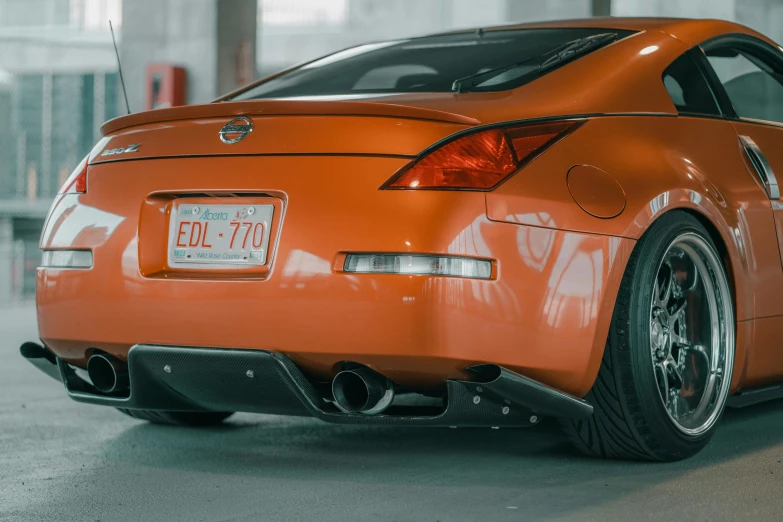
219 234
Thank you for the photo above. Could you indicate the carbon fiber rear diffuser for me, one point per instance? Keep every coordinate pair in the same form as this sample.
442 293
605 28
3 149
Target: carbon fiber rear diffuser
210 379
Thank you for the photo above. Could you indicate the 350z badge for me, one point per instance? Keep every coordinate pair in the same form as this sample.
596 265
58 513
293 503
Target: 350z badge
134 147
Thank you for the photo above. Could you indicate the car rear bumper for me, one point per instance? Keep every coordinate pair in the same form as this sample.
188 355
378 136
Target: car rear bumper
208 379
544 314
548 322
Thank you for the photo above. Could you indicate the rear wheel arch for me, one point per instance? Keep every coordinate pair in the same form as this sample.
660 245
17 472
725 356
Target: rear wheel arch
729 261
629 421
721 246
706 214
721 232
740 351
728 264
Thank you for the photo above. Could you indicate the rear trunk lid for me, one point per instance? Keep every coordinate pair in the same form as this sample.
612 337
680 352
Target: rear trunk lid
279 127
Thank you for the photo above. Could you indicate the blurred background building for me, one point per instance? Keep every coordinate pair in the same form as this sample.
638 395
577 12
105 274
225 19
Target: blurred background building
59 81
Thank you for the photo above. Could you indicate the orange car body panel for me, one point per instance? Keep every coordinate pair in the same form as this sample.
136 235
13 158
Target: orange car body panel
557 267
416 330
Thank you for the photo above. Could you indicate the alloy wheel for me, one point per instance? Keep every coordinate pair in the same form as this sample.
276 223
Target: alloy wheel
692 334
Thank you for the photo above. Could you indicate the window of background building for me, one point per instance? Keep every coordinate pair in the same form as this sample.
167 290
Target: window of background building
287 13
93 14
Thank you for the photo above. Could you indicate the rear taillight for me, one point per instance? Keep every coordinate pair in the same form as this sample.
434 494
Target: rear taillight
480 160
77 181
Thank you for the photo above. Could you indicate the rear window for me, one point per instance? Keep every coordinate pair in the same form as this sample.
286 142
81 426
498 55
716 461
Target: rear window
428 64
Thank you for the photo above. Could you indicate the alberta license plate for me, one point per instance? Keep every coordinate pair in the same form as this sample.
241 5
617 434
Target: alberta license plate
220 234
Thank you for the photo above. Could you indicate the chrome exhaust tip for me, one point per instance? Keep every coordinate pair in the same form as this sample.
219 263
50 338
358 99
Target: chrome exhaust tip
107 373
362 390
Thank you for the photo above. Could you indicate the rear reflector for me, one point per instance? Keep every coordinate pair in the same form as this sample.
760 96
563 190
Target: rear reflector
77 181
418 264
66 259
481 160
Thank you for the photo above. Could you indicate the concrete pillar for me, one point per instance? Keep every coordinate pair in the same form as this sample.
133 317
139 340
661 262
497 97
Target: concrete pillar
602 7
6 261
214 40
236 40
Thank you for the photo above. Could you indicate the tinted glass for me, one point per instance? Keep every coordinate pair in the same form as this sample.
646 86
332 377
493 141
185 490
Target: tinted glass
429 64
754 88
688 88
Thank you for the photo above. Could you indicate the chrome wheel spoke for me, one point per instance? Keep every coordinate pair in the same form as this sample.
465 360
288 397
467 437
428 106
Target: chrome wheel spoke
678 326
678 339
671 367
662 295
677 315
665 381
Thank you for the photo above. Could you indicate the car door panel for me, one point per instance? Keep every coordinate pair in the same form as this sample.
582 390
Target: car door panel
746 74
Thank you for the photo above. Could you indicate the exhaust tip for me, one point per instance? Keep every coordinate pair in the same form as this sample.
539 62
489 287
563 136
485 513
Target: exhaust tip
36 351
41 358
350 391
107 374
362 390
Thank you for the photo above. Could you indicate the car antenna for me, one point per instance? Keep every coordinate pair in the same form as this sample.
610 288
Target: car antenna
119 67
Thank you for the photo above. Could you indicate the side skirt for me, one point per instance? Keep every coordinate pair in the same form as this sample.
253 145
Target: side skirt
755 396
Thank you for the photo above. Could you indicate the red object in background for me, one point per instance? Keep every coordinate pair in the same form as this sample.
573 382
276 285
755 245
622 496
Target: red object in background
165 86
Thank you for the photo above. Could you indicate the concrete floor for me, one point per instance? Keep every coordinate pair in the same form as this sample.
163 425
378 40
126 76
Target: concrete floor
60 460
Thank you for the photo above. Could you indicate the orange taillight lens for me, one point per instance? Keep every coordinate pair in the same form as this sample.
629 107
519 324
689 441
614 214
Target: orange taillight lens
480 160
77 181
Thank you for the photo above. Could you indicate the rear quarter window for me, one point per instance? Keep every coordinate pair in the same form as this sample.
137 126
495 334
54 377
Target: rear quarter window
688 88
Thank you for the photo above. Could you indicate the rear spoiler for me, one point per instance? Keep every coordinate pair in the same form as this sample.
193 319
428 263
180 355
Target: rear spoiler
284 108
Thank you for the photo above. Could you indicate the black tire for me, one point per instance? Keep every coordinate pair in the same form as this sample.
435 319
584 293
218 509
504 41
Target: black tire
632 418
182 418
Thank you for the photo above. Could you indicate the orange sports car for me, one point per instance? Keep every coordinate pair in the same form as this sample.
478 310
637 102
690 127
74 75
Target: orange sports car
575 219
